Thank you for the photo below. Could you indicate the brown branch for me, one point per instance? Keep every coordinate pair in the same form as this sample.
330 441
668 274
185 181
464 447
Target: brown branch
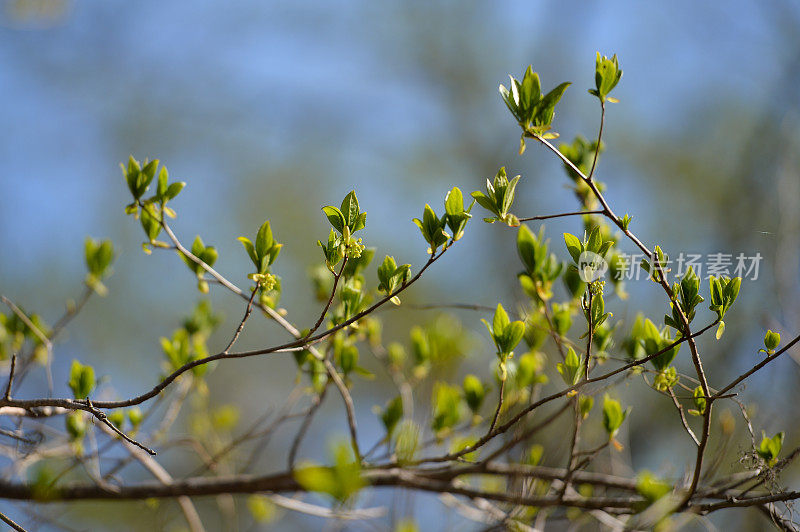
755 368
7 520
285 482
7 395
661 278
503 428
499 405
336 277
599 138
247 312
573 446
104 420
743 503
559 215
685 423
163 476
589 335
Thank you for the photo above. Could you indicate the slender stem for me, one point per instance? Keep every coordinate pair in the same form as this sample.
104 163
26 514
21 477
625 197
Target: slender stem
573 446
683 417
560 215
7 395
755 368
296 345
7 520
247 312
566 391
599 139
324 312
499 404
589 335
661 278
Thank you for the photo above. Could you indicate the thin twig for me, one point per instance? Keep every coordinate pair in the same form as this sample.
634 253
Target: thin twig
685 423
7 520
559 215
336 277
499 405
599 139
7 395
247 312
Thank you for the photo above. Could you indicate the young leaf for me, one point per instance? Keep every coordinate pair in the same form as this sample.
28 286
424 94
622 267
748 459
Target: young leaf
770 448
574 246
335 217
613 416
570 369
474 392
391 415
771 341
81 380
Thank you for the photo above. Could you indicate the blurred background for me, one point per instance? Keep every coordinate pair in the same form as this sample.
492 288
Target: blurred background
270 110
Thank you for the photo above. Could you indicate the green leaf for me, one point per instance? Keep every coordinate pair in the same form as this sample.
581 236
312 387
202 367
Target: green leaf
545 110
771 341
770 448
350 209
391 415
335 217
595 240
613 416
585 405
720 330
385 272
360 222
500 320
264 240
98 258
570 369
151 222
250 249
163 177
650 487
607 75
574 246
526 248
446 407
174 189
209 256
340 481
530 369
454 201
348 358
457 217
732 290
197 246
76 425
699 399
474 392
135 416
261 508
81 380
512 336
508 196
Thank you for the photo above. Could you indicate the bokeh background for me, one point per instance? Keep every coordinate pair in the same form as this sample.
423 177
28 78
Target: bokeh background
270 110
